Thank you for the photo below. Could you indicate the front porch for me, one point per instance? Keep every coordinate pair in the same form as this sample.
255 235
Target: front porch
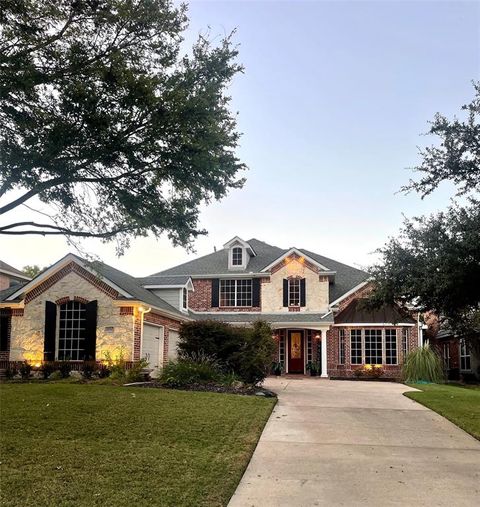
299 349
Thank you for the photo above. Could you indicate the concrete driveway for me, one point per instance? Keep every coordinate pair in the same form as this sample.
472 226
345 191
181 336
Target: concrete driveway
358 443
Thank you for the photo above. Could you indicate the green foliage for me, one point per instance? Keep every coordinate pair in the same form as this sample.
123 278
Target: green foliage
277 367
423 364
252 362
11 372
56 375
32 271
115 366
196 368
456 156
247 352
47 369
88 369
64 367
110 122
435 262
313 367
134 374
25 370
211 338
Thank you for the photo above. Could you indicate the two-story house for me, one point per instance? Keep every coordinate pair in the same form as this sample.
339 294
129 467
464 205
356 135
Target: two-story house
311 302
76 310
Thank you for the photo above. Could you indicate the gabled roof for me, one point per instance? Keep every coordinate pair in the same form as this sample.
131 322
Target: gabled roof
239 241
10 270
357 313
5 293
216 263
128 287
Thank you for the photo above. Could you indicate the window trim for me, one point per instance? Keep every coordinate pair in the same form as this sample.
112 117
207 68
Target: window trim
464 354
184 298
341 347
57 333
298 281
236 280
383 344
235 250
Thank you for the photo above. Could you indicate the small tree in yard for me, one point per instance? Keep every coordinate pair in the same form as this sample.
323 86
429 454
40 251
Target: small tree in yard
255 358
106 123
244 351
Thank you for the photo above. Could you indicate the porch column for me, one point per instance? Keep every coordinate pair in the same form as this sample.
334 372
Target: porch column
324 353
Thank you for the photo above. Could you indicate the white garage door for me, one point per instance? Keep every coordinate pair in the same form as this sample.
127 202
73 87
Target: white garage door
172 344
152 346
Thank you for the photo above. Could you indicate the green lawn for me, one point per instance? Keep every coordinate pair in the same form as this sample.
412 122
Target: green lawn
70 444
459 404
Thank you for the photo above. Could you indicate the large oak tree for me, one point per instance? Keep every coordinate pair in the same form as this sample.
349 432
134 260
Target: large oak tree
435 262
109 120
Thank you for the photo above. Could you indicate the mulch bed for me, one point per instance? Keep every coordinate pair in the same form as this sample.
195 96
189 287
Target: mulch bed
212 388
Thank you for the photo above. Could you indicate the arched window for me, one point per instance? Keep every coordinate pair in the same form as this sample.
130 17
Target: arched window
71 331
237 256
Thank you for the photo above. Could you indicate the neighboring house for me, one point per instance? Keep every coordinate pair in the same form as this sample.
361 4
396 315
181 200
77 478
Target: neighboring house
78 310
460 362
10 276
312 303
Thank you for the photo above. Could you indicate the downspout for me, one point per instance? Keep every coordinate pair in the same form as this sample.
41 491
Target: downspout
142 311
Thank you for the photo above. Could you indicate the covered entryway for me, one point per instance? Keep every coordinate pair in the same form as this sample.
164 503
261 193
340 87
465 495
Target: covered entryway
296 351
152 346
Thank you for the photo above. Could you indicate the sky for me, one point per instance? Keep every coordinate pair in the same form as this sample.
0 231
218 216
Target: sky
333 104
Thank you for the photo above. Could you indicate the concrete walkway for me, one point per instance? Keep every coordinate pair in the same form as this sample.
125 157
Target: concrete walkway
332 443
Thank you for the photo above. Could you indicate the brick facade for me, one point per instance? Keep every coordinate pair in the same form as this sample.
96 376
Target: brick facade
200 300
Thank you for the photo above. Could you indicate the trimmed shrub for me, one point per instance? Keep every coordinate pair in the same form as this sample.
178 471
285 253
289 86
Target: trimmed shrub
247 352
11 372
88 369
191 369
47 369
25 370
56 375
212 338
64 367
252 363
423 364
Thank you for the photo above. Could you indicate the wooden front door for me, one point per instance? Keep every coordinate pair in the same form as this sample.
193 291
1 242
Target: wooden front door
295 352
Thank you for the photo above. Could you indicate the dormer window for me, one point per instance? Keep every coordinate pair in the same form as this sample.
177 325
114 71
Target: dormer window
239 253
237 256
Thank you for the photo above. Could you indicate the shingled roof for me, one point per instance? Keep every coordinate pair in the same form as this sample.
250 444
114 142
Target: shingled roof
216 263
6 268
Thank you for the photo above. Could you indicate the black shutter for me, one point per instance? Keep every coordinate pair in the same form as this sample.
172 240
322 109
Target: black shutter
90 330
256 292
215 292
50 331
302 292
4 325
285 292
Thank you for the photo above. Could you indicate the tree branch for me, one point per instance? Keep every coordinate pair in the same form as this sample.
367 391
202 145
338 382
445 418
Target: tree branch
55 230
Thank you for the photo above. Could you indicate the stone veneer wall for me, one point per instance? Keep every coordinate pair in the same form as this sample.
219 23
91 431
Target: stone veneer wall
317 287
27 335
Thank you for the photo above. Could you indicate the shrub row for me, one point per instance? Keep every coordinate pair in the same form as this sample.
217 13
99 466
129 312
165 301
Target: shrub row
211 348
